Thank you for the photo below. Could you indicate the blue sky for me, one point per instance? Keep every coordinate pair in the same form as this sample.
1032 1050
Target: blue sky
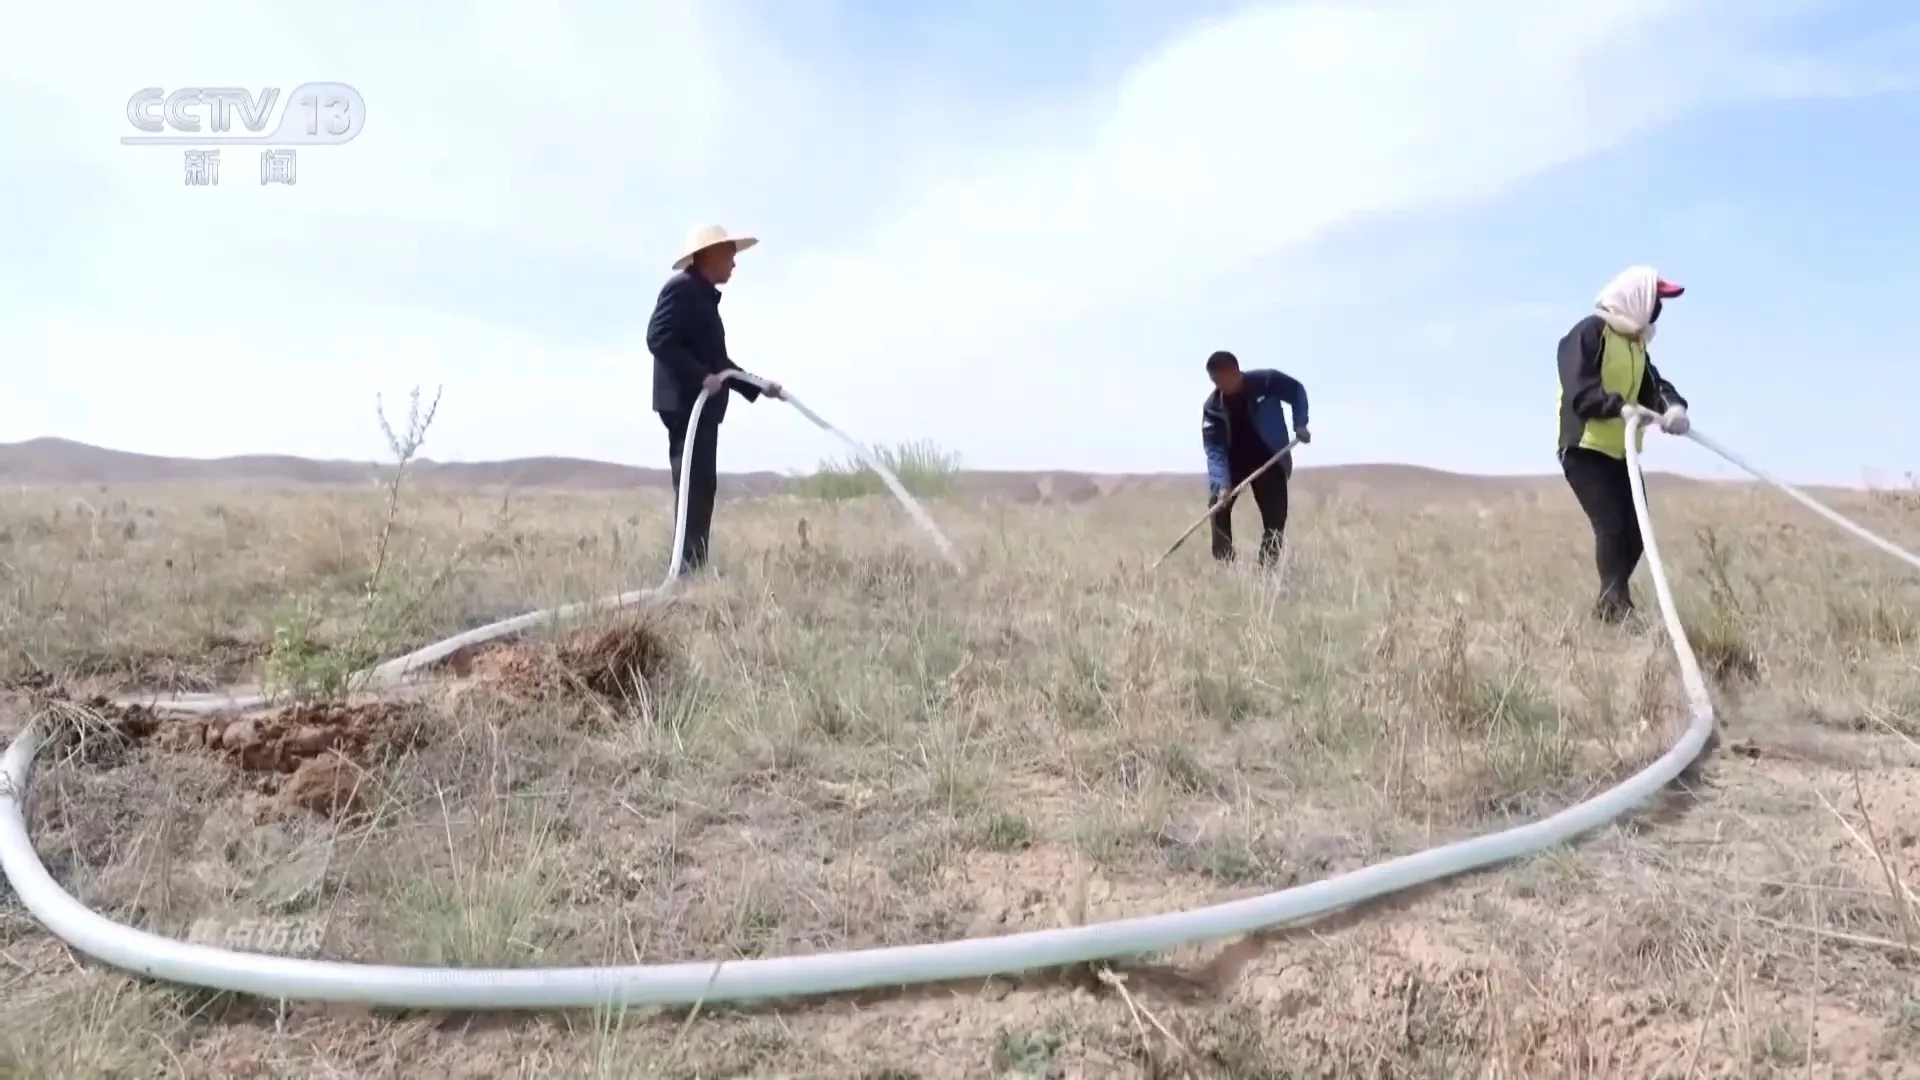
1014 229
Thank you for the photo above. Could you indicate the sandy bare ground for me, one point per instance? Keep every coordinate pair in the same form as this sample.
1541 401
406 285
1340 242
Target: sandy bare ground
836 743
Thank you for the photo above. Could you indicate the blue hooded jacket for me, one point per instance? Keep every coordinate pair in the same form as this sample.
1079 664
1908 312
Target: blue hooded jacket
1267 391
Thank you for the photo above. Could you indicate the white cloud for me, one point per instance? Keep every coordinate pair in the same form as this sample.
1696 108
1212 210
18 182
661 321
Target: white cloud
1030 279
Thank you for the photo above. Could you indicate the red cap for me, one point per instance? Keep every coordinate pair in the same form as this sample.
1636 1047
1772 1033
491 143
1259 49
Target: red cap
1667 289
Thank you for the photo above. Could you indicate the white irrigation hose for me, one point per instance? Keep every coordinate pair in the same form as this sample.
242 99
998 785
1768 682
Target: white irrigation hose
795 976
873 462
400 669
1807 501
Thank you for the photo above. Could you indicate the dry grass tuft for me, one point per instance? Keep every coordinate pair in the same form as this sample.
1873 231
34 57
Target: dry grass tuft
837 744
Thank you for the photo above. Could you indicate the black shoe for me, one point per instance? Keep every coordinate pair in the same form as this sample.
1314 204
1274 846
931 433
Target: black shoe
1612 609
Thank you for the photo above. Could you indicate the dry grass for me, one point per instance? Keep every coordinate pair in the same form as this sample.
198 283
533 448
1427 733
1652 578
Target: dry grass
838 743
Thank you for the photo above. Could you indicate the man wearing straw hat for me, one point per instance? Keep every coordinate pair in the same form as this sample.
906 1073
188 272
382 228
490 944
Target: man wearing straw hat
689 347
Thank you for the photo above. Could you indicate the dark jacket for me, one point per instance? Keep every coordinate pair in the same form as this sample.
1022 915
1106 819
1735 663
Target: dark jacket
1266 390
1583 396
688 343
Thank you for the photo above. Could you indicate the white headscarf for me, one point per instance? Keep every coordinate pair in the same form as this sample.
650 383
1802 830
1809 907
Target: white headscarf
1627 302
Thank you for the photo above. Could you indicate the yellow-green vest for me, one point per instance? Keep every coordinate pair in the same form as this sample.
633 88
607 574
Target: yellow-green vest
1623 366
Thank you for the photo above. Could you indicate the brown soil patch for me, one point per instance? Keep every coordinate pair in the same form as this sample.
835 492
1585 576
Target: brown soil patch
306 758
321 758
612 663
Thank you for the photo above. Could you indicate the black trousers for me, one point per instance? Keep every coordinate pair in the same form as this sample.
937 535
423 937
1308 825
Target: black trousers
1269 494
1605 491
701 475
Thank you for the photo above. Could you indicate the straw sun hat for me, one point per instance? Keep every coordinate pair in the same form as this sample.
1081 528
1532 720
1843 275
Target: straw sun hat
707 236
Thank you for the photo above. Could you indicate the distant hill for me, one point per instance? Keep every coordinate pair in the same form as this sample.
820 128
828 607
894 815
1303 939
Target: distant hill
51 461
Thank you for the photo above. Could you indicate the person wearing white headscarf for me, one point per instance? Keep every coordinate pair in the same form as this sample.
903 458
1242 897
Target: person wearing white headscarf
1604 368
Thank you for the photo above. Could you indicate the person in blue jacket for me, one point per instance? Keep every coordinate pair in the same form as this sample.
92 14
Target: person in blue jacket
1242 425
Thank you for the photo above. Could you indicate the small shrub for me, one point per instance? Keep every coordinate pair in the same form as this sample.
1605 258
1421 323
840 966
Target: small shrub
925 470
1719 635
301 664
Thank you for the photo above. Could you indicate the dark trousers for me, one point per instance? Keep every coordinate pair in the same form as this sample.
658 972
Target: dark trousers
1605 491
701 475
1269 494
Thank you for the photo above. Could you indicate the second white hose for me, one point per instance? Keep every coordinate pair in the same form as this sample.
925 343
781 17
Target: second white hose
399 669
687 983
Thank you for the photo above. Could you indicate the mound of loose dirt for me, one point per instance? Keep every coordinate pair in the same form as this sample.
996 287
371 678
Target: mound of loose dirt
317 758
612 664
284 740
320 758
